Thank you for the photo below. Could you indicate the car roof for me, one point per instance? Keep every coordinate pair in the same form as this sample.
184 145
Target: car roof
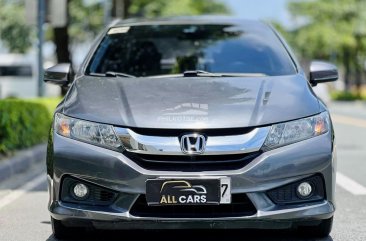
205 19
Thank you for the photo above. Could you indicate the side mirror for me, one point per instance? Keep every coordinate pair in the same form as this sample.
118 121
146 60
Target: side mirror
60 74
321 72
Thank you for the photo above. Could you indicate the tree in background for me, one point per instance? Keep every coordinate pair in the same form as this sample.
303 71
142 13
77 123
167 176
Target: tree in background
86 21
335 30
14 31
166 8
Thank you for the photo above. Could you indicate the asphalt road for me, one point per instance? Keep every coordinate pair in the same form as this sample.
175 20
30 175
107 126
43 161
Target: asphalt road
24 216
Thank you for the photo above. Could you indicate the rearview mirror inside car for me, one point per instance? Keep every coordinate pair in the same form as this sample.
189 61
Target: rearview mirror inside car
60 74
321 72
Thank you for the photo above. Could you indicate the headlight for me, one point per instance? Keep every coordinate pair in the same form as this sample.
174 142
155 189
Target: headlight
294 131
93 133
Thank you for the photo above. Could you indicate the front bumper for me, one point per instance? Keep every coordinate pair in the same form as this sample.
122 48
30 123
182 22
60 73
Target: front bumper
272 219
275 219
115 171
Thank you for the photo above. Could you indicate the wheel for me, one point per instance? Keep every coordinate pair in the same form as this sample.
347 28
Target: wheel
59 230
321 230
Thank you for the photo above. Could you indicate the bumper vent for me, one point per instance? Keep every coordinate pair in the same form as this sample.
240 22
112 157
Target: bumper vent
98 196
288 194
241 206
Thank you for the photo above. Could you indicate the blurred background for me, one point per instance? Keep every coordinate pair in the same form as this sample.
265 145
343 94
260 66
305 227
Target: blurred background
332 30
36 34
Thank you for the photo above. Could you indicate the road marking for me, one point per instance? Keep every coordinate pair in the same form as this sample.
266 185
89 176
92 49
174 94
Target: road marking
341 119
14 195
350 185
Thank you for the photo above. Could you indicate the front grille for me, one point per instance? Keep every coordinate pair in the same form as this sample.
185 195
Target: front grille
191 163
241 206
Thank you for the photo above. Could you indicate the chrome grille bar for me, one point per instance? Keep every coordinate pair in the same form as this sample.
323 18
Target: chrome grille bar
216 145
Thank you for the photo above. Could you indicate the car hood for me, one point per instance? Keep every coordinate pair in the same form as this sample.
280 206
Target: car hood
191 103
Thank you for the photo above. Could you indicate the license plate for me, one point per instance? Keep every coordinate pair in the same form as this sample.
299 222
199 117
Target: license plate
161 192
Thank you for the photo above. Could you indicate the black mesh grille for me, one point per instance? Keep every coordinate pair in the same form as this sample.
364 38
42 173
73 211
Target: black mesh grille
190 163
241 206
102 195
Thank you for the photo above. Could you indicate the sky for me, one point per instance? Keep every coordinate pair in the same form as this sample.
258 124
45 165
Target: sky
261 9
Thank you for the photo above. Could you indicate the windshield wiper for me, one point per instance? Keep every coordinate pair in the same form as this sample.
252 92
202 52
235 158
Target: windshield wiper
196 73
202 73
115 74
112 74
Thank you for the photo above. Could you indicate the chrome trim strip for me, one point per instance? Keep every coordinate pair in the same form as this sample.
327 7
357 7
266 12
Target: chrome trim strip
216 145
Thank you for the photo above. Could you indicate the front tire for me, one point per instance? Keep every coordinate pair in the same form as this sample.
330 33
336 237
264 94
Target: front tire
321 230
59 230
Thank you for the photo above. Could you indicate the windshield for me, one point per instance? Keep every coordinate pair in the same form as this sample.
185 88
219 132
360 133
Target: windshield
171 49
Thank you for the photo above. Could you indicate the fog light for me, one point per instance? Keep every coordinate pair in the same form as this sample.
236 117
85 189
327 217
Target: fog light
80 190
304 189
